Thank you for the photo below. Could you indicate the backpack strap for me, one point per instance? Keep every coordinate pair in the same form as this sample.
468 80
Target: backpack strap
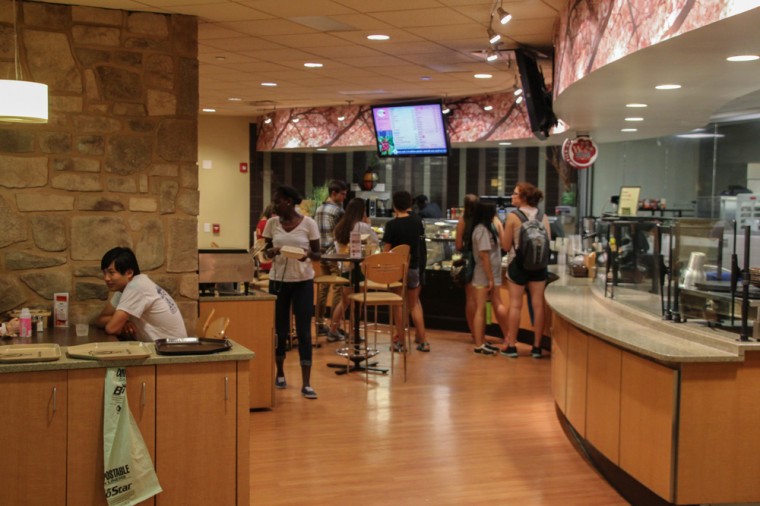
523 217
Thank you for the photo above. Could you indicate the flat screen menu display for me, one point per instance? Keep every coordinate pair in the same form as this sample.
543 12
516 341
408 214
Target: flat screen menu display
410 129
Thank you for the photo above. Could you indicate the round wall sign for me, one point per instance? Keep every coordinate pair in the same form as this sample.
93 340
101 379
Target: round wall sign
580 152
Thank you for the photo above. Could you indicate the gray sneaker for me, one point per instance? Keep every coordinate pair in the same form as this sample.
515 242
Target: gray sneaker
309 393
280 382
338 335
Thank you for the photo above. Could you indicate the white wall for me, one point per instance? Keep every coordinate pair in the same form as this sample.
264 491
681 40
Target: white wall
664 168
224 190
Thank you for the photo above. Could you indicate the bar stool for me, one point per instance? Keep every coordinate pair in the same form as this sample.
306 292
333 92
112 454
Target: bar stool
329 280
401 249
384 269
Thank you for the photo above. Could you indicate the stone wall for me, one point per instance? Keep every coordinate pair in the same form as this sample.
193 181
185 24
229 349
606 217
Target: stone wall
114 166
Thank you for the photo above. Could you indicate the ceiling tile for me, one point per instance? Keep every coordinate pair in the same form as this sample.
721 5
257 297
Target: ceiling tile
287 9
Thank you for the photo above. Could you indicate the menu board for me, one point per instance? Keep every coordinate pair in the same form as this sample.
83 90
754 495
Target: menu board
410 130
629 200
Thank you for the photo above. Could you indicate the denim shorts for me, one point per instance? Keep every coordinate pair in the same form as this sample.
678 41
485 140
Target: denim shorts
412 278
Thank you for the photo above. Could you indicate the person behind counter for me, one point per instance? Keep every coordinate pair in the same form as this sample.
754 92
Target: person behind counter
407 228
427 209
292 280
139 308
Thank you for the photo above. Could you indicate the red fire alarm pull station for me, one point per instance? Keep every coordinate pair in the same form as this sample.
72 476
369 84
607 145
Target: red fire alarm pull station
216 228
243 167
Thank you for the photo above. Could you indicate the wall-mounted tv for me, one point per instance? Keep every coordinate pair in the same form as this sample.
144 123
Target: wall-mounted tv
538 100
410 129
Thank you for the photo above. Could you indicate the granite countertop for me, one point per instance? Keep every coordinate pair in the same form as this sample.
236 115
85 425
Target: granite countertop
237 352
585 306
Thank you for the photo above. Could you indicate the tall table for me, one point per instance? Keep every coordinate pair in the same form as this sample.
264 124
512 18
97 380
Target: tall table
353 348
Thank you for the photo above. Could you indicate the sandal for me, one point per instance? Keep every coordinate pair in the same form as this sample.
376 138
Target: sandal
397 346
423 346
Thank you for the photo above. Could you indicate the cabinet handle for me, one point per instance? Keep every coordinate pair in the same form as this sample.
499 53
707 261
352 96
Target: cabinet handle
55 399
226 388
143 395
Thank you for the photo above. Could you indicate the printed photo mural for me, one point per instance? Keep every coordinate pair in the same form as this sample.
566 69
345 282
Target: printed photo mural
593 33
351 126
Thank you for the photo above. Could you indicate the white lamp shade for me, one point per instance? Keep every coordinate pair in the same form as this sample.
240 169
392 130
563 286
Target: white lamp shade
23 101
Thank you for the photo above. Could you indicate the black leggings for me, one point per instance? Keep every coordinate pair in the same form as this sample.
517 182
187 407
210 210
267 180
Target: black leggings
299 295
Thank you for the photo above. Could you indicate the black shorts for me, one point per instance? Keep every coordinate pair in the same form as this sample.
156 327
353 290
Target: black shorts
522 277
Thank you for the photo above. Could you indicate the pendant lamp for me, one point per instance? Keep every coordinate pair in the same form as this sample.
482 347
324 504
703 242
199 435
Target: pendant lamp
22 101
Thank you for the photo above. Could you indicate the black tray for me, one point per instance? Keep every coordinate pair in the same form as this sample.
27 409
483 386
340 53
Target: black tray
191 346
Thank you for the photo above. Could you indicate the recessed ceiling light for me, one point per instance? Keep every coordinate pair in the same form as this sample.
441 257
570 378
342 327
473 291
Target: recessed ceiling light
341 118
482 76
220 58
235 99
668 86
629 129
296 120
206 109
426 78
267 121
634 119
269 84
313 65
488 108
378 37
700 135
743 57
321 149
505 144
635 105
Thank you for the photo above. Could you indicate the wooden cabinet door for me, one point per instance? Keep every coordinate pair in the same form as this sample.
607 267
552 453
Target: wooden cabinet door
33 442
603 397
85 435
196 433
577 365
559 363
647 423
252 325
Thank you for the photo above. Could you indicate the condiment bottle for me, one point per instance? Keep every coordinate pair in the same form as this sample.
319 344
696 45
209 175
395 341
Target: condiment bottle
25 323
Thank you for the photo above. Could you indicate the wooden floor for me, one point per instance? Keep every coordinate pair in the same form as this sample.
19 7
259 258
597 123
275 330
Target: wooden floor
464 429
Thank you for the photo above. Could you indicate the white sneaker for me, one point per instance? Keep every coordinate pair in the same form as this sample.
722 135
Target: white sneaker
309 393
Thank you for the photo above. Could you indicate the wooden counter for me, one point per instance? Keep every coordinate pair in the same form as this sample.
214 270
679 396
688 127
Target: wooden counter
192 412
675 406
252 325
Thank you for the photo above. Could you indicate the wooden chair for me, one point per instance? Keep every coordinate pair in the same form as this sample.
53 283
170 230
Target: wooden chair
384 269
217 328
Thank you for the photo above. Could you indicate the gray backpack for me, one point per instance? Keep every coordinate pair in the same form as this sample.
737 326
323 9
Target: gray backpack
533 253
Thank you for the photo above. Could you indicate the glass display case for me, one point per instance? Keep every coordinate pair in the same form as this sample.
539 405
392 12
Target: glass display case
440 240
695 269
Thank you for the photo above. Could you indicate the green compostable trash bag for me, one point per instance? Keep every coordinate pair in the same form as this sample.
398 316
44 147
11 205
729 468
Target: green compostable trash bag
129 476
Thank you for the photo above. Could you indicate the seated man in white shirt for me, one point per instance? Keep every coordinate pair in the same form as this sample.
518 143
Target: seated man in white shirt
139 308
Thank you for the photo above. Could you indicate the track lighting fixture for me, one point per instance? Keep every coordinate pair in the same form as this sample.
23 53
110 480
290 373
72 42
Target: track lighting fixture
493 37
503 16
491 55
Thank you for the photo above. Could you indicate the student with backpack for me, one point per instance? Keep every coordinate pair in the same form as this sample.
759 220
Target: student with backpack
526 233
